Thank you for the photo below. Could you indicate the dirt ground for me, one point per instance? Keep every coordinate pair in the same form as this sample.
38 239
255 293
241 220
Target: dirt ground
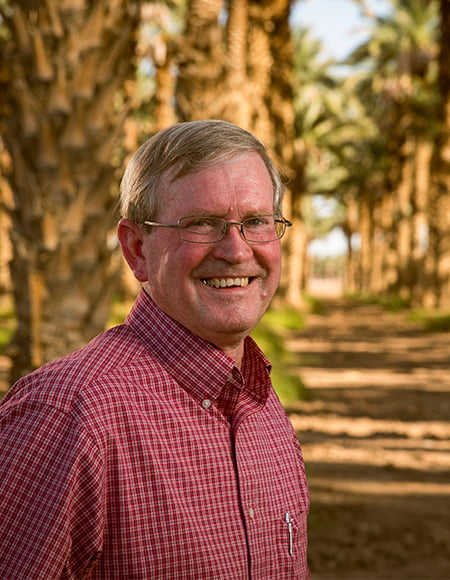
375 436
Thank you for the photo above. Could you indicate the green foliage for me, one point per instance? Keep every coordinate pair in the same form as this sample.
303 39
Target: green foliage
270 334
315 306
7 322
283 318
119 311
7 327
391 302
432 320
394 303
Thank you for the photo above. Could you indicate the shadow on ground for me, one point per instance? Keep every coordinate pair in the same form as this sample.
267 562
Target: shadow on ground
375 436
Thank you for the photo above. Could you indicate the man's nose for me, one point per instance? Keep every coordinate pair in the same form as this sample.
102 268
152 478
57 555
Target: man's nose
233 246
228 227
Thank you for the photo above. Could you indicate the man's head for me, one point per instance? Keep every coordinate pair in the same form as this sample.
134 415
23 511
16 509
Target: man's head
182 149
205 169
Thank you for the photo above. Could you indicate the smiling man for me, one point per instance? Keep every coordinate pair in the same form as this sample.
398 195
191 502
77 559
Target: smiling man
160 450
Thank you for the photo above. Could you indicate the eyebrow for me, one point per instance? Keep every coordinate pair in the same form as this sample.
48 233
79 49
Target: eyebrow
212 213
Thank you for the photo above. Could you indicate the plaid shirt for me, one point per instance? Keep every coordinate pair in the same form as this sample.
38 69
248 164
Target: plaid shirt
148 454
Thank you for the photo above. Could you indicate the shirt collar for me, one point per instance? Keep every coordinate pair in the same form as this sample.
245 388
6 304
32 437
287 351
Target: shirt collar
197 365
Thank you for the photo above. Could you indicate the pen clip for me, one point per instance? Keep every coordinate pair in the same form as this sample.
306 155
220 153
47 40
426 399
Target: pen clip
288 521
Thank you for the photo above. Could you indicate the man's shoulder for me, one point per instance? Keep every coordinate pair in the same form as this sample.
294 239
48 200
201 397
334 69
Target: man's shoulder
60 383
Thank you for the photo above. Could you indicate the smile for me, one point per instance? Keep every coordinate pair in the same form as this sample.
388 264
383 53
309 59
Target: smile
226 282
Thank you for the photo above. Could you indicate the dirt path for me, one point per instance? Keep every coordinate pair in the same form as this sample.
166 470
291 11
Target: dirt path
375 435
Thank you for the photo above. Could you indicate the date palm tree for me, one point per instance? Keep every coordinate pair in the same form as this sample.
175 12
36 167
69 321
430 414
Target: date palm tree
65 92
398 88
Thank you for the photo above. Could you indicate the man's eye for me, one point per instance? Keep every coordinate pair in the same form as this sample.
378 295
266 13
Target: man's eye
200 223
257 221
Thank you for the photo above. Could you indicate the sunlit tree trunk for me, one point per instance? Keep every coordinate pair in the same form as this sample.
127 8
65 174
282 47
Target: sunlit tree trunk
200 60
376 278
390 261
438 258
64 96
158 41
259 64
396 189
5 241
403 220
366 234
236 101
420 218
279 100
350 230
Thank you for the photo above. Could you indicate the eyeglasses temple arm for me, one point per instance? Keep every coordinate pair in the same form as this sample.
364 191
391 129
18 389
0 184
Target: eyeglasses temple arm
158 225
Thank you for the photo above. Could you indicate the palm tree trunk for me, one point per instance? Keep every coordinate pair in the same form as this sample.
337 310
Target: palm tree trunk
366 233
438 258
403 221
64 68
420 218
200 59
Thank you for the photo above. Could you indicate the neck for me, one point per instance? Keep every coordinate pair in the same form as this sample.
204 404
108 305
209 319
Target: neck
234 352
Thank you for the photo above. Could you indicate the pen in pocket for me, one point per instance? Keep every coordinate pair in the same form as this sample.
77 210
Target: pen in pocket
288 520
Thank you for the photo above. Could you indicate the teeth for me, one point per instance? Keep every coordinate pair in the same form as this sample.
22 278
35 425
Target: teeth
225 282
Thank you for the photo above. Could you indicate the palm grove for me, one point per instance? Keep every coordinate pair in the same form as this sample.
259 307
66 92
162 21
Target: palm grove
83 82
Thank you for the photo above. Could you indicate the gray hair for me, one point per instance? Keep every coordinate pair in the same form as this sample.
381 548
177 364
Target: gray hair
185 148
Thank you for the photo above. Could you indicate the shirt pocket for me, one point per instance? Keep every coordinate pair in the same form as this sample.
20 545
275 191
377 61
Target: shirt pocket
292 531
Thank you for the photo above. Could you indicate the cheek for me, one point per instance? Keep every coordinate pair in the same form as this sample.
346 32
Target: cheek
272 259
175 261
275 271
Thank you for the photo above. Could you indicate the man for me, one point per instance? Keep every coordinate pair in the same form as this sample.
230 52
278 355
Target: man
160 449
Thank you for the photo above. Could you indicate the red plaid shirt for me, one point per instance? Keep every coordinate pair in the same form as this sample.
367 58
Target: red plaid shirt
148 454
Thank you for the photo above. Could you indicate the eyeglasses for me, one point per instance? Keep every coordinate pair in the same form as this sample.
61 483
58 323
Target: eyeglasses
207 230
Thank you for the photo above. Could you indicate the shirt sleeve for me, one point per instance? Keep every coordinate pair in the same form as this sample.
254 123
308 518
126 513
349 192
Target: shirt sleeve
51 500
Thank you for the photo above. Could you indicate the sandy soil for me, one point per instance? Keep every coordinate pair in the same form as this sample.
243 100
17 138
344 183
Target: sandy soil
375 436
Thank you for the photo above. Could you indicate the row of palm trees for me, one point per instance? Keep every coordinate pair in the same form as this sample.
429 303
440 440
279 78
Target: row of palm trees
82 82
381 137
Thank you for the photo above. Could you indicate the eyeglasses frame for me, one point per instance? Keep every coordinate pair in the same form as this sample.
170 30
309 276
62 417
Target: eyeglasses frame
227 224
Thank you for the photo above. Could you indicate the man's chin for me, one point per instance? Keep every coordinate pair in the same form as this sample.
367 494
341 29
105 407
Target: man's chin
229 330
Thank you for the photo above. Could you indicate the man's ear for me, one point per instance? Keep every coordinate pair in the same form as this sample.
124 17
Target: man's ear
131 237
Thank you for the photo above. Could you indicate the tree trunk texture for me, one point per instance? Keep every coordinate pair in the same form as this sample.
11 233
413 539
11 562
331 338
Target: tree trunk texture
387 250
422 162
200 59
377 279
279 101
352 280
158 42
438 257
236 103
63 101
6 204
397 191
366 227
403 214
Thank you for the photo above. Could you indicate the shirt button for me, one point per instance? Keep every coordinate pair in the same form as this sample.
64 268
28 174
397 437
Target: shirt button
206 403
251 512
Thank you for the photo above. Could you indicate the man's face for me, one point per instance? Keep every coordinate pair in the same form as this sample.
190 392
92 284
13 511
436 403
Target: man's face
181 276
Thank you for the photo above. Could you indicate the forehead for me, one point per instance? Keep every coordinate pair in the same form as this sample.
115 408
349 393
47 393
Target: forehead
239 181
